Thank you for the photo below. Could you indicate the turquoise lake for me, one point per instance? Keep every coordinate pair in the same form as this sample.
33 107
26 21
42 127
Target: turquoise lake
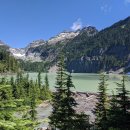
85 82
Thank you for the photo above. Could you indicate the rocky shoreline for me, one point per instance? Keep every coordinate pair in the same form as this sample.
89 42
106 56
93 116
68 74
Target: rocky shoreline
86 103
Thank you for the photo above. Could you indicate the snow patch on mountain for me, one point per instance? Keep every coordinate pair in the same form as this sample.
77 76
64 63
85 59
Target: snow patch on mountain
21 54
34 50
18 53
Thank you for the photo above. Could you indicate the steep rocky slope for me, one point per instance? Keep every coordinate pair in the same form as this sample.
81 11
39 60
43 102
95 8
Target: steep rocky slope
108 50
48 50
43 50
86 50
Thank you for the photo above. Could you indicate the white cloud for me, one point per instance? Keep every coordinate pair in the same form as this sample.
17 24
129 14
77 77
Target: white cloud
77 25
127 1
106 8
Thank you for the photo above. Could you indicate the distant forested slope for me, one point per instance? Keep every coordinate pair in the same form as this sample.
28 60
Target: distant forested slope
108 50
7 62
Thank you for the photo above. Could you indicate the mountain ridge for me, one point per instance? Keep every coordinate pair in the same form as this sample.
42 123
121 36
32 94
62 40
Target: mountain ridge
108 50
87 50
34 55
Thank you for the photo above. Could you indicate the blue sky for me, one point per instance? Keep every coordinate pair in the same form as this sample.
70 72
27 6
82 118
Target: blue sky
22 21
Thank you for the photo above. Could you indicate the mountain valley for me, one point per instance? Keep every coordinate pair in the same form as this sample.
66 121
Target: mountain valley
86 50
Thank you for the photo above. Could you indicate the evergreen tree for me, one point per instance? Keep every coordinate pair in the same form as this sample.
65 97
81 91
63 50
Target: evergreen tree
64 116
68 102
10 104
118 115
7 62
56 118
3 81
47 91
82 122
7 106
113 113
39 80
37 90
21 85
14 88
101 106
46 82
40 85
26 84
32 101
123 103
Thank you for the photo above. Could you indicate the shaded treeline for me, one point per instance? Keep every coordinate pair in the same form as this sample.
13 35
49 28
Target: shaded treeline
18 100
111 112
7 62
21 95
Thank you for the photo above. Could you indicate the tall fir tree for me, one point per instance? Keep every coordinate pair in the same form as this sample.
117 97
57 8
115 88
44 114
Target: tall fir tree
118 114
64 116
32 111
14 88
11 104
46 82
47 91
40 85
123 103
56 118
82 122
39 80
101 106
7 106
113 112
69 103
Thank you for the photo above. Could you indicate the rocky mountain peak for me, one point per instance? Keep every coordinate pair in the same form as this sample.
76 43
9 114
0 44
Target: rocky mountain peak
62 37
33 51
36 43
90 30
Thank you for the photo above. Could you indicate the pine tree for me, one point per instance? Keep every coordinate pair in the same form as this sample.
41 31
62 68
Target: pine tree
26 84
7 62
40 85
46 82
39 80
113 113
17 83
37 90
32 111
21 85
14 88
82 122
64 116
47 91
123 103
56 118
118 116
69 103
101 106
7 106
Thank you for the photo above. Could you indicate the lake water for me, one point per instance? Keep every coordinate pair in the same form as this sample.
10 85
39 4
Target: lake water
84 82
